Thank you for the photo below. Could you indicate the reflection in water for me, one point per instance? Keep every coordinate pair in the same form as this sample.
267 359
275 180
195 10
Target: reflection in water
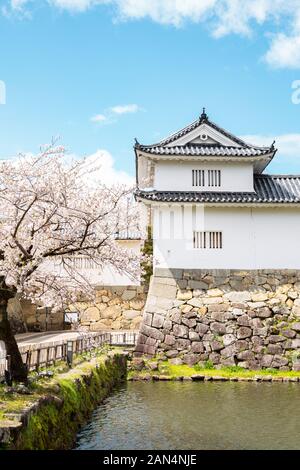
172 415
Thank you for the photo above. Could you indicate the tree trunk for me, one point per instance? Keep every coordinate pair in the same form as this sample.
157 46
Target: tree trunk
18 369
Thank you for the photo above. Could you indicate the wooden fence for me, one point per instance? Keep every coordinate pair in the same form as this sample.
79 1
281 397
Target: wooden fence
45 354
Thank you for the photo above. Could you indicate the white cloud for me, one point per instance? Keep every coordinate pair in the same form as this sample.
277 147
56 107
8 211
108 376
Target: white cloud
101 169
18 4
110 114
288 144
98 118
125 109
284 51
221 17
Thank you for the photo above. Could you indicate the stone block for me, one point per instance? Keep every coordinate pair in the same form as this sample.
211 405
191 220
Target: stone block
263 312
171 273
175 316
214 292
295 344
91 314
112 312
259 297
131 314
241 345
256 323
184 295
197 285
186 308
197 347
158 321
151 341
276 339
279 361
274 349
168 325
189 322
182 344
169 340
243 320
215 358
218 308
296 326
266 360
246 356
147 318
164 291
152 332
238 296
228 339
166 281
244 332
288 333
172 353
181 331
229 351
137 304
202 310
128 294
193 336
238 312
218 328
191 359
261 331
201 328
195 302
216 345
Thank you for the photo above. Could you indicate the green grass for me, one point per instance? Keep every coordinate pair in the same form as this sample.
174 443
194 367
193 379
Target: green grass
175 371
78 390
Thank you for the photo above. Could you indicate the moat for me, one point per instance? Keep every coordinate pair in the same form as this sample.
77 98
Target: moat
206 415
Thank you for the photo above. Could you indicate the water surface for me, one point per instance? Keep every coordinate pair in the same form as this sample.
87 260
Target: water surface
205 415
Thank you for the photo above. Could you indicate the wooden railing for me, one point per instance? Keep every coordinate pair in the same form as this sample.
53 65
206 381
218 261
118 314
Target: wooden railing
43 355
50 353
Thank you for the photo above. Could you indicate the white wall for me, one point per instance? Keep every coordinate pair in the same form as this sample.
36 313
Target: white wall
108 276
253 238
177 176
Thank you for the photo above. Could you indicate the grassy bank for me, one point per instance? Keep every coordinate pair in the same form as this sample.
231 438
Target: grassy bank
50 416
167 371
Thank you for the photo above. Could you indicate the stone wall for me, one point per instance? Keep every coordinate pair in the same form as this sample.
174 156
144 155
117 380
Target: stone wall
25 316
245 318
115 308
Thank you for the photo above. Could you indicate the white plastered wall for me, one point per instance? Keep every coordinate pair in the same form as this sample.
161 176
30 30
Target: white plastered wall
253 238
177 176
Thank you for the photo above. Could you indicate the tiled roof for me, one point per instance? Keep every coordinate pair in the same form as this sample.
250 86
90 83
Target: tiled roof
203 119
205 150
267 189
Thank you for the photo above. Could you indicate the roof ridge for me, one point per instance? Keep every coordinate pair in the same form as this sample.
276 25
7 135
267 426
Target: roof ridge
267 175
203 119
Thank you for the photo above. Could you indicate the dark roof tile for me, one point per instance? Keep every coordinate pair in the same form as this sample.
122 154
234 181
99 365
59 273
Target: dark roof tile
206 150
267 189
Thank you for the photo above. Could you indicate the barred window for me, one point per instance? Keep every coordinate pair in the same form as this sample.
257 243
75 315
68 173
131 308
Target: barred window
214 178
210 178
208 240
198 177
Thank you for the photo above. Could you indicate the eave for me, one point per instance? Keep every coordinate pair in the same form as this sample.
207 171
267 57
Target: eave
263 159
220 204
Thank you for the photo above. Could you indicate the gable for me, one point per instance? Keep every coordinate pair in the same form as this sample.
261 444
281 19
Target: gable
203 134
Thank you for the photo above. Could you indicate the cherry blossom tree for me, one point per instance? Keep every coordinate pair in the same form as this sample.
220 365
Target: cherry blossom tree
49 213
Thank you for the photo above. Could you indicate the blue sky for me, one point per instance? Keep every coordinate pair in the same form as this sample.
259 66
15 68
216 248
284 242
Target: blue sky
99 73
